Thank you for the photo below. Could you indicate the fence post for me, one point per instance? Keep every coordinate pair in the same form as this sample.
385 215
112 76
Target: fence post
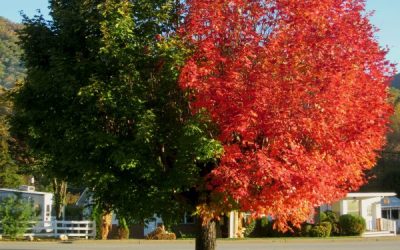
94 229
394 228
55 225
87 230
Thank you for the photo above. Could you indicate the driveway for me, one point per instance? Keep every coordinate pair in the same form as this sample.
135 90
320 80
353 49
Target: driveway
392 243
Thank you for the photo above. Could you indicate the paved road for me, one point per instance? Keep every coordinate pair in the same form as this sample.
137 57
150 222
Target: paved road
322 244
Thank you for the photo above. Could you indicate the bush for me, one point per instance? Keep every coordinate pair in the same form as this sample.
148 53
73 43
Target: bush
15 214
261 228
328 227
123 229
305 229
322 230
165 236
333 219
323 216
160 234
73 212
250 228
351 225
331 216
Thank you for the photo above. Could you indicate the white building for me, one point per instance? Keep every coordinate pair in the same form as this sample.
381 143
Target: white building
368 206
391 210
42 201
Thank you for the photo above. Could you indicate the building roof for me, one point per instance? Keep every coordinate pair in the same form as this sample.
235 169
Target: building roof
24 192
390 202
369 195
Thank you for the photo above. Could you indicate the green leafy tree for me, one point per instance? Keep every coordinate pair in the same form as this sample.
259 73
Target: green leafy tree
9 176
101 104
15 214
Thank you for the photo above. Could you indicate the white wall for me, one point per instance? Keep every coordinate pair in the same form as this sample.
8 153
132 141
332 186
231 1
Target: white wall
42 201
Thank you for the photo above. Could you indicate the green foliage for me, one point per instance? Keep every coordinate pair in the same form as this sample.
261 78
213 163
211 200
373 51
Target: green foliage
102 106
15 213
9 176
391 179
328 226
386 173
264 227
321 230
96 216
11 68
123 229
250 227
12 73
305 229
261 228
351 225
393 136
73 212
333 219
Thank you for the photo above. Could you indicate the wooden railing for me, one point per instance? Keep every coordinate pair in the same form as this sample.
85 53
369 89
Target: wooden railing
84 229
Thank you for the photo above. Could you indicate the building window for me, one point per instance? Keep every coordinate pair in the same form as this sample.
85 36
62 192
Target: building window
189 219
395 214
369 210
47 211
353 207
385 214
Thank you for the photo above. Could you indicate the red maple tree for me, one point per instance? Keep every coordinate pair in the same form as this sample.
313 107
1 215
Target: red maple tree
299 92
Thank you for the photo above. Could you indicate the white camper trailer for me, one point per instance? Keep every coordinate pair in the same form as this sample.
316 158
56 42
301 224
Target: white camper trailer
42 201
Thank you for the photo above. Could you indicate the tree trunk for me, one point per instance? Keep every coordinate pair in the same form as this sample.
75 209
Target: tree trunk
106 224
206 235
60 195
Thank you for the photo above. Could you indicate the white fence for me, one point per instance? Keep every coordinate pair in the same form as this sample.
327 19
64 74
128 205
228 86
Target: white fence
56 228
388 225
381 224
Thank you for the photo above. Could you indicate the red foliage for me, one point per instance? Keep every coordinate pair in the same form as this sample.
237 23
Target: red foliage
299 92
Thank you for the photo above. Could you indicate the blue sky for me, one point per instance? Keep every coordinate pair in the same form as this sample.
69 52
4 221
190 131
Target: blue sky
386 18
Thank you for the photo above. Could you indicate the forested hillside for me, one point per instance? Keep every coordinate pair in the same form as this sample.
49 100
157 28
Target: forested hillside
11 68
11 71
386 175
396 81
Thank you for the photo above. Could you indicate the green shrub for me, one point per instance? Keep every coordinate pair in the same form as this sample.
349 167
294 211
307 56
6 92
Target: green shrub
331 216
320 230
323 216
351 225
15 214
261 228
73 212
333 219
305 229
250 228
123 229
328 227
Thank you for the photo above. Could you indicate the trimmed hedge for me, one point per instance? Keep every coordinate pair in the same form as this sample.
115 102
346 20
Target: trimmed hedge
351 225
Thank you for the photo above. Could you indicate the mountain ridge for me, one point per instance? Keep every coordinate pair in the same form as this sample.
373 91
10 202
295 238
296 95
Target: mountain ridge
396 81
11 67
